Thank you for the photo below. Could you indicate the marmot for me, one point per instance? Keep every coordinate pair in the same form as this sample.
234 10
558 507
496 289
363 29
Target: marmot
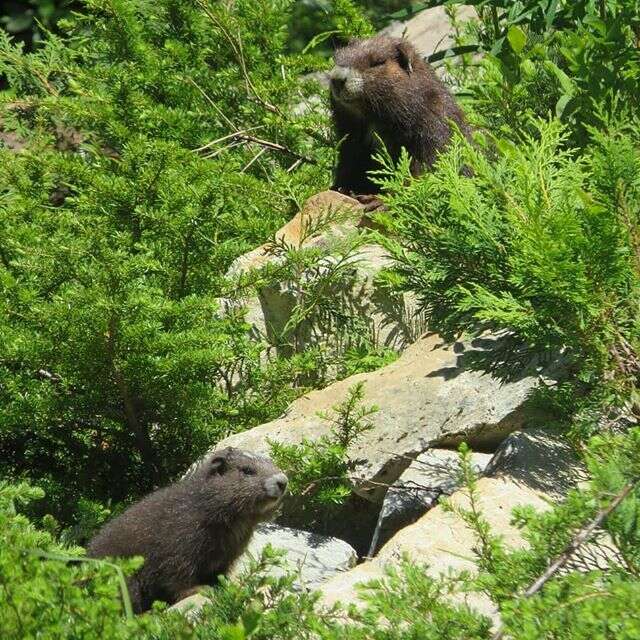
381 87
192 531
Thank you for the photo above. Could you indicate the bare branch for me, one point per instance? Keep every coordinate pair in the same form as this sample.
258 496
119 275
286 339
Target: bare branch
223 138
236 46
260 152
277 147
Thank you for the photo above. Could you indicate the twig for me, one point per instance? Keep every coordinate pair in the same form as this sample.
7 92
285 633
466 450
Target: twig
295 165
277 147
576 542
229 135
208 98
243 136
260 152
213 154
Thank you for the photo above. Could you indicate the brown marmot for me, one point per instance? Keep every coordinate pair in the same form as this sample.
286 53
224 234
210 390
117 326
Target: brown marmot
192 531
381 87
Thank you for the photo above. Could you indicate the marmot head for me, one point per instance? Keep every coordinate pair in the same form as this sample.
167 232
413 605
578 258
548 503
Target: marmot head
248 484
366 69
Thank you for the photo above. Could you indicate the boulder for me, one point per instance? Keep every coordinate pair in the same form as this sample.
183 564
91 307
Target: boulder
432 474
443 543
191 606
537 459
429 397
313 558
327 223
430 30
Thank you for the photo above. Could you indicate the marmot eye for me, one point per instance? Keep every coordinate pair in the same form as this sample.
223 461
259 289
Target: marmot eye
377 63
248 471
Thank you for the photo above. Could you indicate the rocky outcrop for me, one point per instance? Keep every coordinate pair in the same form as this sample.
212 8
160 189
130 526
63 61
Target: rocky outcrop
441 540
430 30
431 397
313 558
430 476
344 270
428 398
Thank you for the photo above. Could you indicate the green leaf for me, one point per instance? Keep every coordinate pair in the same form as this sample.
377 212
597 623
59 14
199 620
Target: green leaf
233 632
562 104
567 84
517 38
453 51
251 621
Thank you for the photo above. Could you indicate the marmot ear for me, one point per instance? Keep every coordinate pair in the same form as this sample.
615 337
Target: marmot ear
218 465
405 55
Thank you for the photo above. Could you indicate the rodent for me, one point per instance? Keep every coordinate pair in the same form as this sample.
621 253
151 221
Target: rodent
192 531
382 87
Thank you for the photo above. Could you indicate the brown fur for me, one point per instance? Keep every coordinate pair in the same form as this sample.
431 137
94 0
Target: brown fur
192 531
382 87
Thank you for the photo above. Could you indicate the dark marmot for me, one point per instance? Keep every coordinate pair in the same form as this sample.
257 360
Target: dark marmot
382 87
192 531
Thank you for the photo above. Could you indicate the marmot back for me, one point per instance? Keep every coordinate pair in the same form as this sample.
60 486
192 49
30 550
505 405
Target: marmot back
192 531
382 87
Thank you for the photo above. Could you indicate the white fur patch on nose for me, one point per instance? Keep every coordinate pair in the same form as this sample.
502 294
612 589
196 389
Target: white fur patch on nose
346 83
276 485
339 73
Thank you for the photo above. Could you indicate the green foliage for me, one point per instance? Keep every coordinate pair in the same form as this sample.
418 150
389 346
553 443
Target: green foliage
537 242
119 220
555 57
418 607
315 283
41 594
318 469
163 139
590 602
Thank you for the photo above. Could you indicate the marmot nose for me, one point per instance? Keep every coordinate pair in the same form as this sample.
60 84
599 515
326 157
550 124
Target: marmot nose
338 77
276 485
282 481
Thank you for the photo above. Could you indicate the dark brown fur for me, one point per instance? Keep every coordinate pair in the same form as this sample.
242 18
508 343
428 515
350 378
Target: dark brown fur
400 99
192 531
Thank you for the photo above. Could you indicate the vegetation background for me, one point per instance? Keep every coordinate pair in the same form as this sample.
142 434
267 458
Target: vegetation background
161 139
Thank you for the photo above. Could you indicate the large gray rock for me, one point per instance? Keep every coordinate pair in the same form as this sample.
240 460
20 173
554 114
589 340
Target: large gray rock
441 540
313 558
432 474
430 30
427 398
345 271
539 460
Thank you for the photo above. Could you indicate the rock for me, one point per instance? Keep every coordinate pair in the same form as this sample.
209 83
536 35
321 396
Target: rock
440 539
313 557
430 30
307 228
191 606
429 397
432 474
539 460
327 222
